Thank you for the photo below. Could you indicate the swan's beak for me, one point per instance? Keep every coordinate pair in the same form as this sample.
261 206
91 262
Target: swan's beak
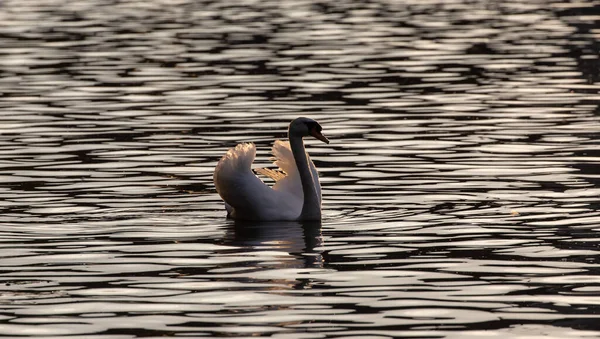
319 136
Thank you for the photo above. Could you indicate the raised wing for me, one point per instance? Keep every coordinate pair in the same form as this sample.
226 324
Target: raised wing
247 195
284 159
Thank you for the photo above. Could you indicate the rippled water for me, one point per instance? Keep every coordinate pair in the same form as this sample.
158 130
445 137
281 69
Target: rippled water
460 188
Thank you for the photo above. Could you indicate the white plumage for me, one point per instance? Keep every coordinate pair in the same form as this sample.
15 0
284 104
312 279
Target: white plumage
247 197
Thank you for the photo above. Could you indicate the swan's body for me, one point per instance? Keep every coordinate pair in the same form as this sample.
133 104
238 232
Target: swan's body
297 192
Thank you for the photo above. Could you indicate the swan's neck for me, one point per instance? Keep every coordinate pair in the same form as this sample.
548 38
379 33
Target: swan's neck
311 208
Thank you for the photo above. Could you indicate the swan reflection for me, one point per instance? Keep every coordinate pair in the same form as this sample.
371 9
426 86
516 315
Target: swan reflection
301 239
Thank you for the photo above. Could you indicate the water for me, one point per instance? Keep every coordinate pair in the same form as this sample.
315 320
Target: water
460 187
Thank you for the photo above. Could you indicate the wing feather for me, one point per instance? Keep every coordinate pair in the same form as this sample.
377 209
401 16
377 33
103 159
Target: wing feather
284 159
247 195
269 173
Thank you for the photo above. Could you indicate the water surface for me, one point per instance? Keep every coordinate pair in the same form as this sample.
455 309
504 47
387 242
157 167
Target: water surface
460 187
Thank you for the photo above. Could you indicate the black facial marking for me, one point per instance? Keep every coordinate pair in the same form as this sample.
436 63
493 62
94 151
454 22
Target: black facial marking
314 125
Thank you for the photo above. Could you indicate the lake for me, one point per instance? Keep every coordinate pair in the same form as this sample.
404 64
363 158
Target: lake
461 185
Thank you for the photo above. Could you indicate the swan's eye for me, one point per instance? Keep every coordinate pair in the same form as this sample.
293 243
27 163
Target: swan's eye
314 126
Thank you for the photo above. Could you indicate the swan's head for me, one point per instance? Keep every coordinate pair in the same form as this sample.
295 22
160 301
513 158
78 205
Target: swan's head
303 127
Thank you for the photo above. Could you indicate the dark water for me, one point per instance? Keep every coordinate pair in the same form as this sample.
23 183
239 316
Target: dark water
461 188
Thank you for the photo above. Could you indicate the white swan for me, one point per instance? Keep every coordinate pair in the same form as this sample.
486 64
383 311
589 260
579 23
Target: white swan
295 196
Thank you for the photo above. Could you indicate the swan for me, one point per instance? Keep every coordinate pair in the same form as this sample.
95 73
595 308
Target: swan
296 194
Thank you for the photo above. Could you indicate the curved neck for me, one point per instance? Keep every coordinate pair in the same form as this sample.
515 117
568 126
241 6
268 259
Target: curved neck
311 208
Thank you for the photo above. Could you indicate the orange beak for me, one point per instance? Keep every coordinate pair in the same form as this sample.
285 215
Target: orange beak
319 136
